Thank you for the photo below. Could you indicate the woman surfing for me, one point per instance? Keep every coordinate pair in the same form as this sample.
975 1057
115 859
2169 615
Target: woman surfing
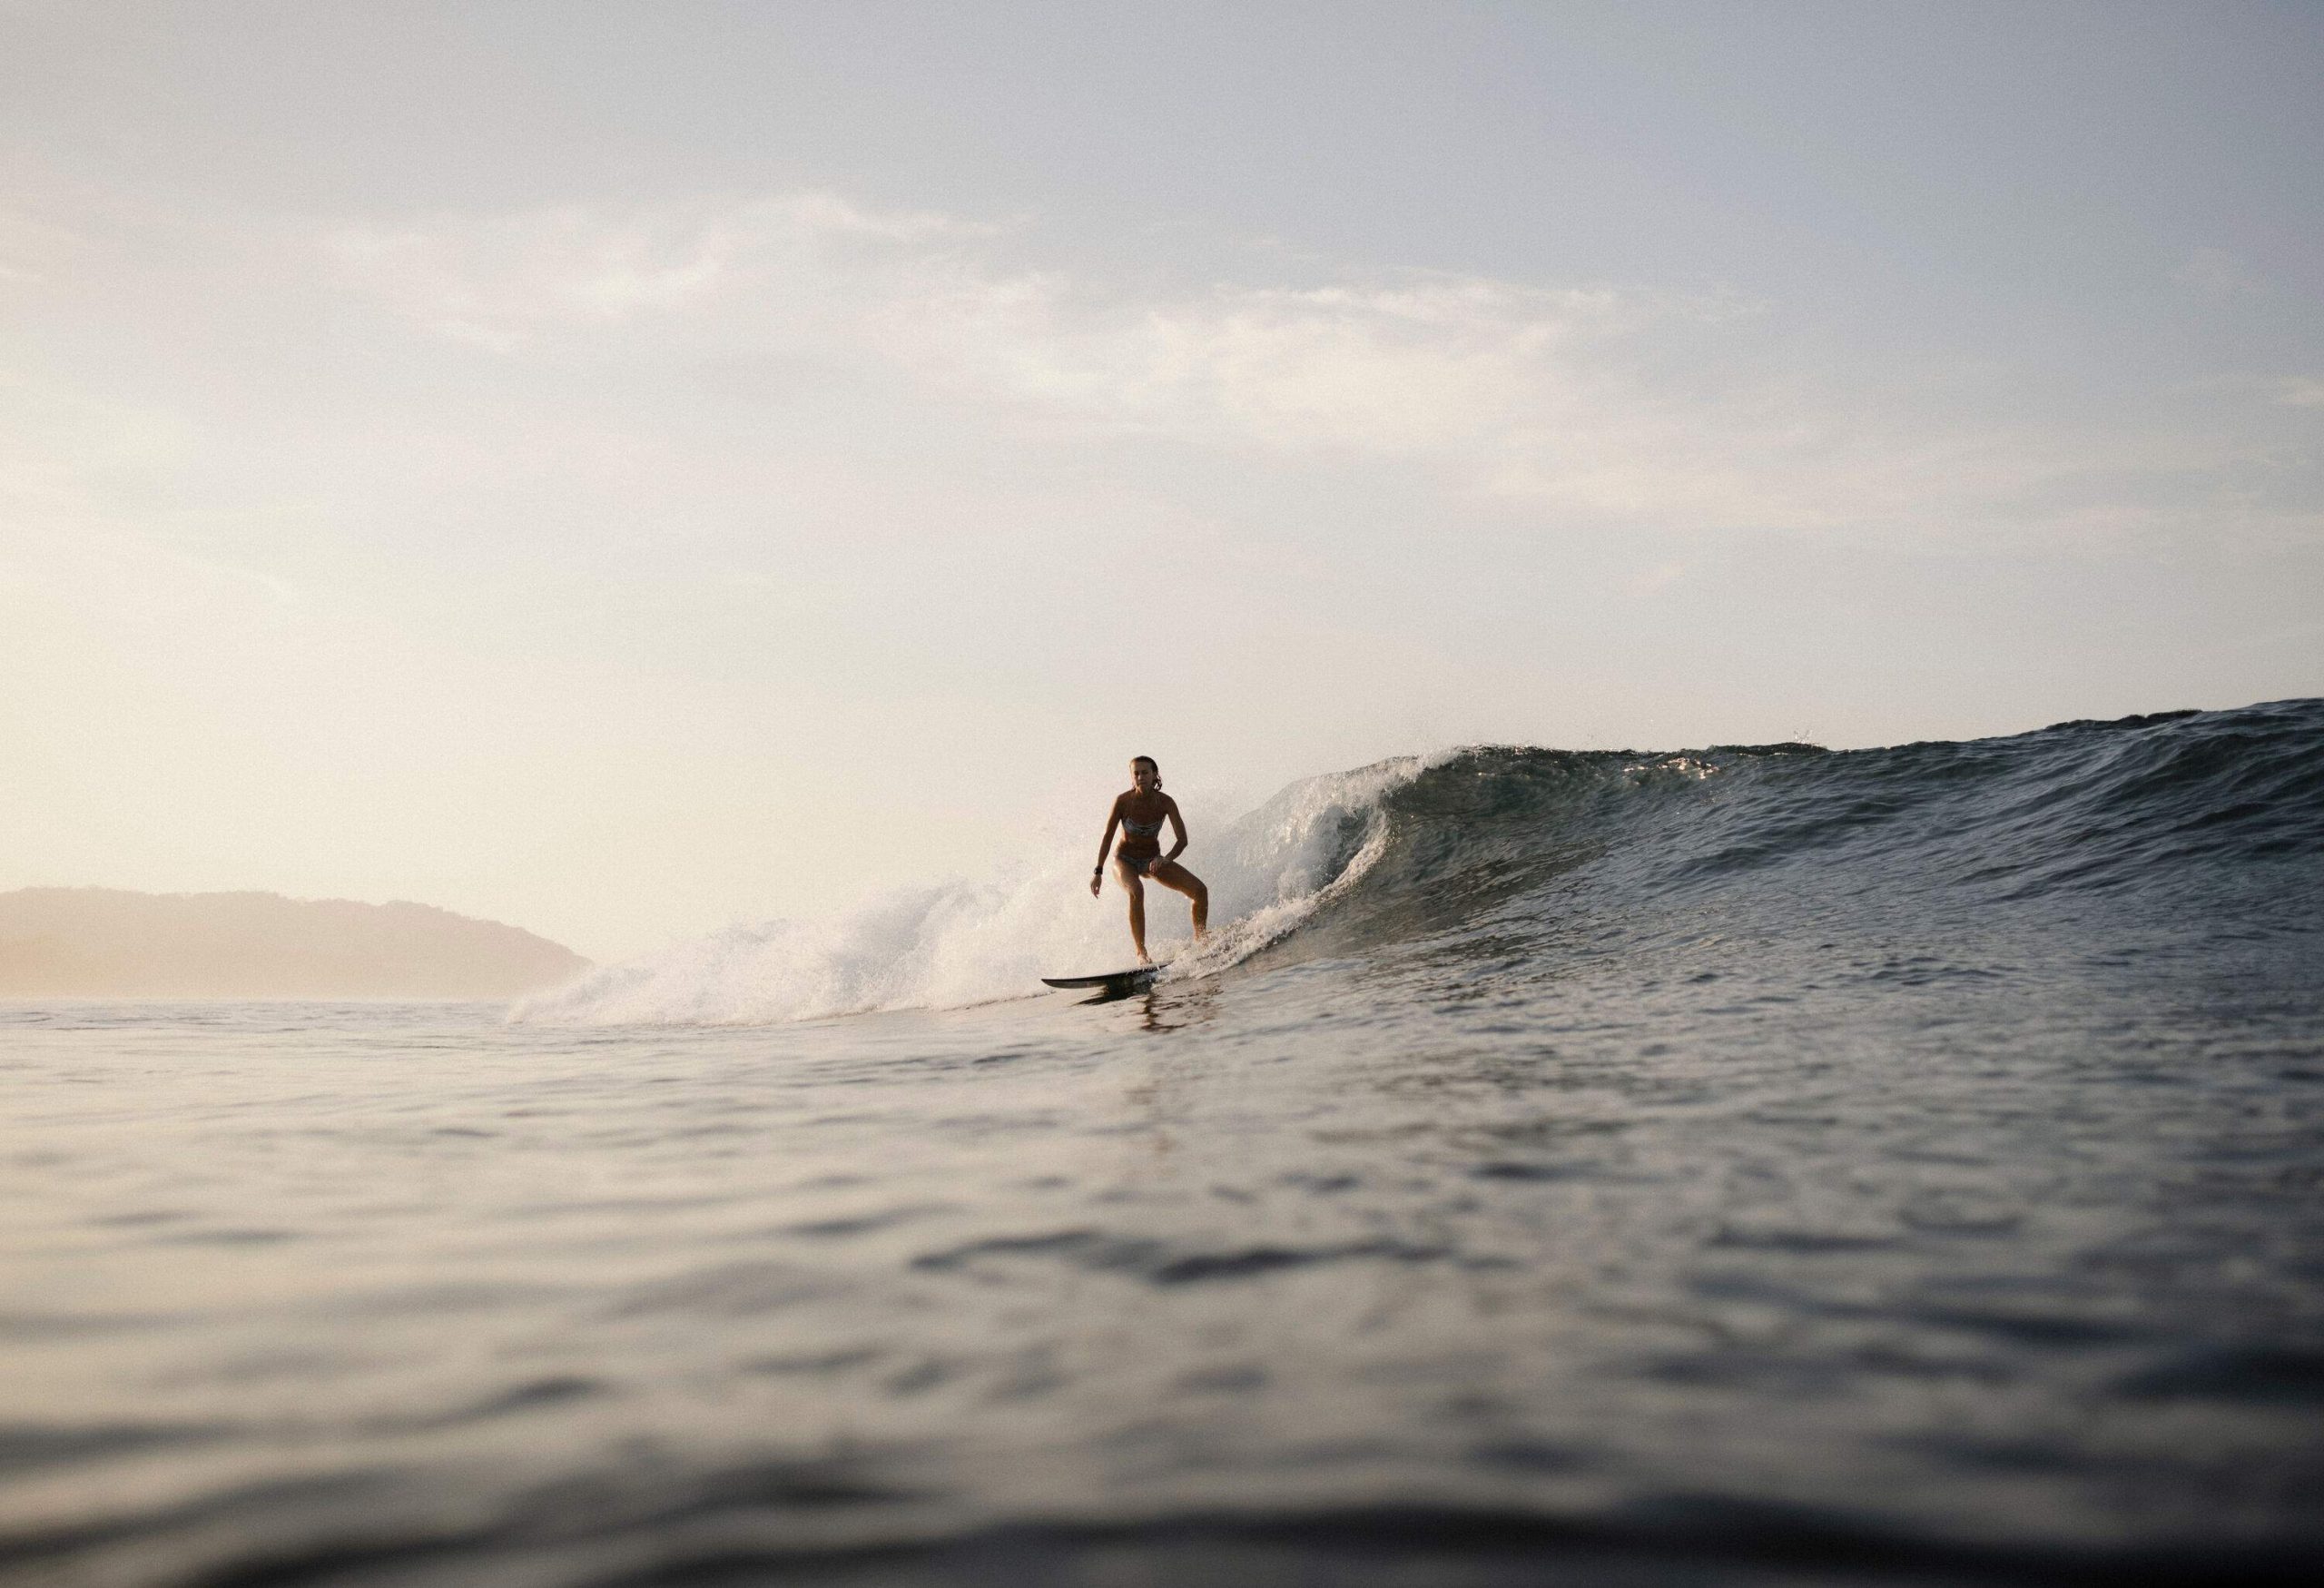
1139 810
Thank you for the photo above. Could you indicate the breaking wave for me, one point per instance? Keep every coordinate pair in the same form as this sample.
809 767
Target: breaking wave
963 942
2181 810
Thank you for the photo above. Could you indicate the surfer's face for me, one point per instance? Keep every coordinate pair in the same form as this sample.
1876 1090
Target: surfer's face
1142 776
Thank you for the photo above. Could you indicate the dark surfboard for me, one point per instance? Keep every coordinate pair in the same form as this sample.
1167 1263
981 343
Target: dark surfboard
1112 980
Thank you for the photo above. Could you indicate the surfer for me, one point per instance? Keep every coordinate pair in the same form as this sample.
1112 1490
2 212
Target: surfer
1139 810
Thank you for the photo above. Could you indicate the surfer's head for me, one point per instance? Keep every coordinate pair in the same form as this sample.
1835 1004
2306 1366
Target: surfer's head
1144 772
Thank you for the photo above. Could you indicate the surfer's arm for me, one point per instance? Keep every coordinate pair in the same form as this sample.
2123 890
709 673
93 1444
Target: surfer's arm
1113 820
1178 825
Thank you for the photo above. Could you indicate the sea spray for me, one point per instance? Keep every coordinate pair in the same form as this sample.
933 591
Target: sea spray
961 942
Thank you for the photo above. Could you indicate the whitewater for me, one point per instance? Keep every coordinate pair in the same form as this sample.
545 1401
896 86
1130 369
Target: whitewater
1733 1165
966 943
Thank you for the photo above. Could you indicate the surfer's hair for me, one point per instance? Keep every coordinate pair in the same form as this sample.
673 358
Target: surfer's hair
1150 762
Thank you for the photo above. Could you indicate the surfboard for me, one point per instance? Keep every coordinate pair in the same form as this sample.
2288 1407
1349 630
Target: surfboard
1129 981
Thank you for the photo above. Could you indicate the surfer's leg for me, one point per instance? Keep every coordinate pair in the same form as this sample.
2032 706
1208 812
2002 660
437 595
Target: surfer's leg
1136 892
1179 880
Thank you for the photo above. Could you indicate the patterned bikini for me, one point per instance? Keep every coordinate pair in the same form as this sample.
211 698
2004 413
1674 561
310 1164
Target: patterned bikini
1148 837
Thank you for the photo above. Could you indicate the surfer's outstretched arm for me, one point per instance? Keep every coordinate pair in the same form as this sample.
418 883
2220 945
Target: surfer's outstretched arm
1105 846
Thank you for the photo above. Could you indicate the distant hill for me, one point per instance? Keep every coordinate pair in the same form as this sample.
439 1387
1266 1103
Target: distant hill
106 942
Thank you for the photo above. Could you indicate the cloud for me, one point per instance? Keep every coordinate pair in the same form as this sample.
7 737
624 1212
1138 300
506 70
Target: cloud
1606 403
2298 391
503 281
1468 372
1411 367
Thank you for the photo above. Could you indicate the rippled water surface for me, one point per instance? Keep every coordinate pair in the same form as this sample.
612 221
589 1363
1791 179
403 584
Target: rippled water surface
1741 1191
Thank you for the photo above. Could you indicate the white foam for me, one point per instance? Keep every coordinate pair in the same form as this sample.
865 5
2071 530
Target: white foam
965 941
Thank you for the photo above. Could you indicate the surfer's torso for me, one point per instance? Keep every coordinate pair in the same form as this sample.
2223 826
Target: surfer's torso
1142 821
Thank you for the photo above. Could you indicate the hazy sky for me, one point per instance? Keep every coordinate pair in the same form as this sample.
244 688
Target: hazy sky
623 468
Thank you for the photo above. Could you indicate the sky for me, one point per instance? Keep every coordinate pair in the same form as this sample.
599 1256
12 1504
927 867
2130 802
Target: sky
627 468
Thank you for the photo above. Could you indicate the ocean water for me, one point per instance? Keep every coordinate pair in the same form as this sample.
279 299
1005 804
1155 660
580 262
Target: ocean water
1753 1164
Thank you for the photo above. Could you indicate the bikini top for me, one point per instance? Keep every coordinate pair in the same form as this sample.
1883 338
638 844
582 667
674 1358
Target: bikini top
1143 829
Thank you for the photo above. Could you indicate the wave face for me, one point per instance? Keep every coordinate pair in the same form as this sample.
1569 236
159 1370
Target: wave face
1985 851
2163 817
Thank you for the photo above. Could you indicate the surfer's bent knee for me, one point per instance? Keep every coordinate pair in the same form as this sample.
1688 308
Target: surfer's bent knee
1182 881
